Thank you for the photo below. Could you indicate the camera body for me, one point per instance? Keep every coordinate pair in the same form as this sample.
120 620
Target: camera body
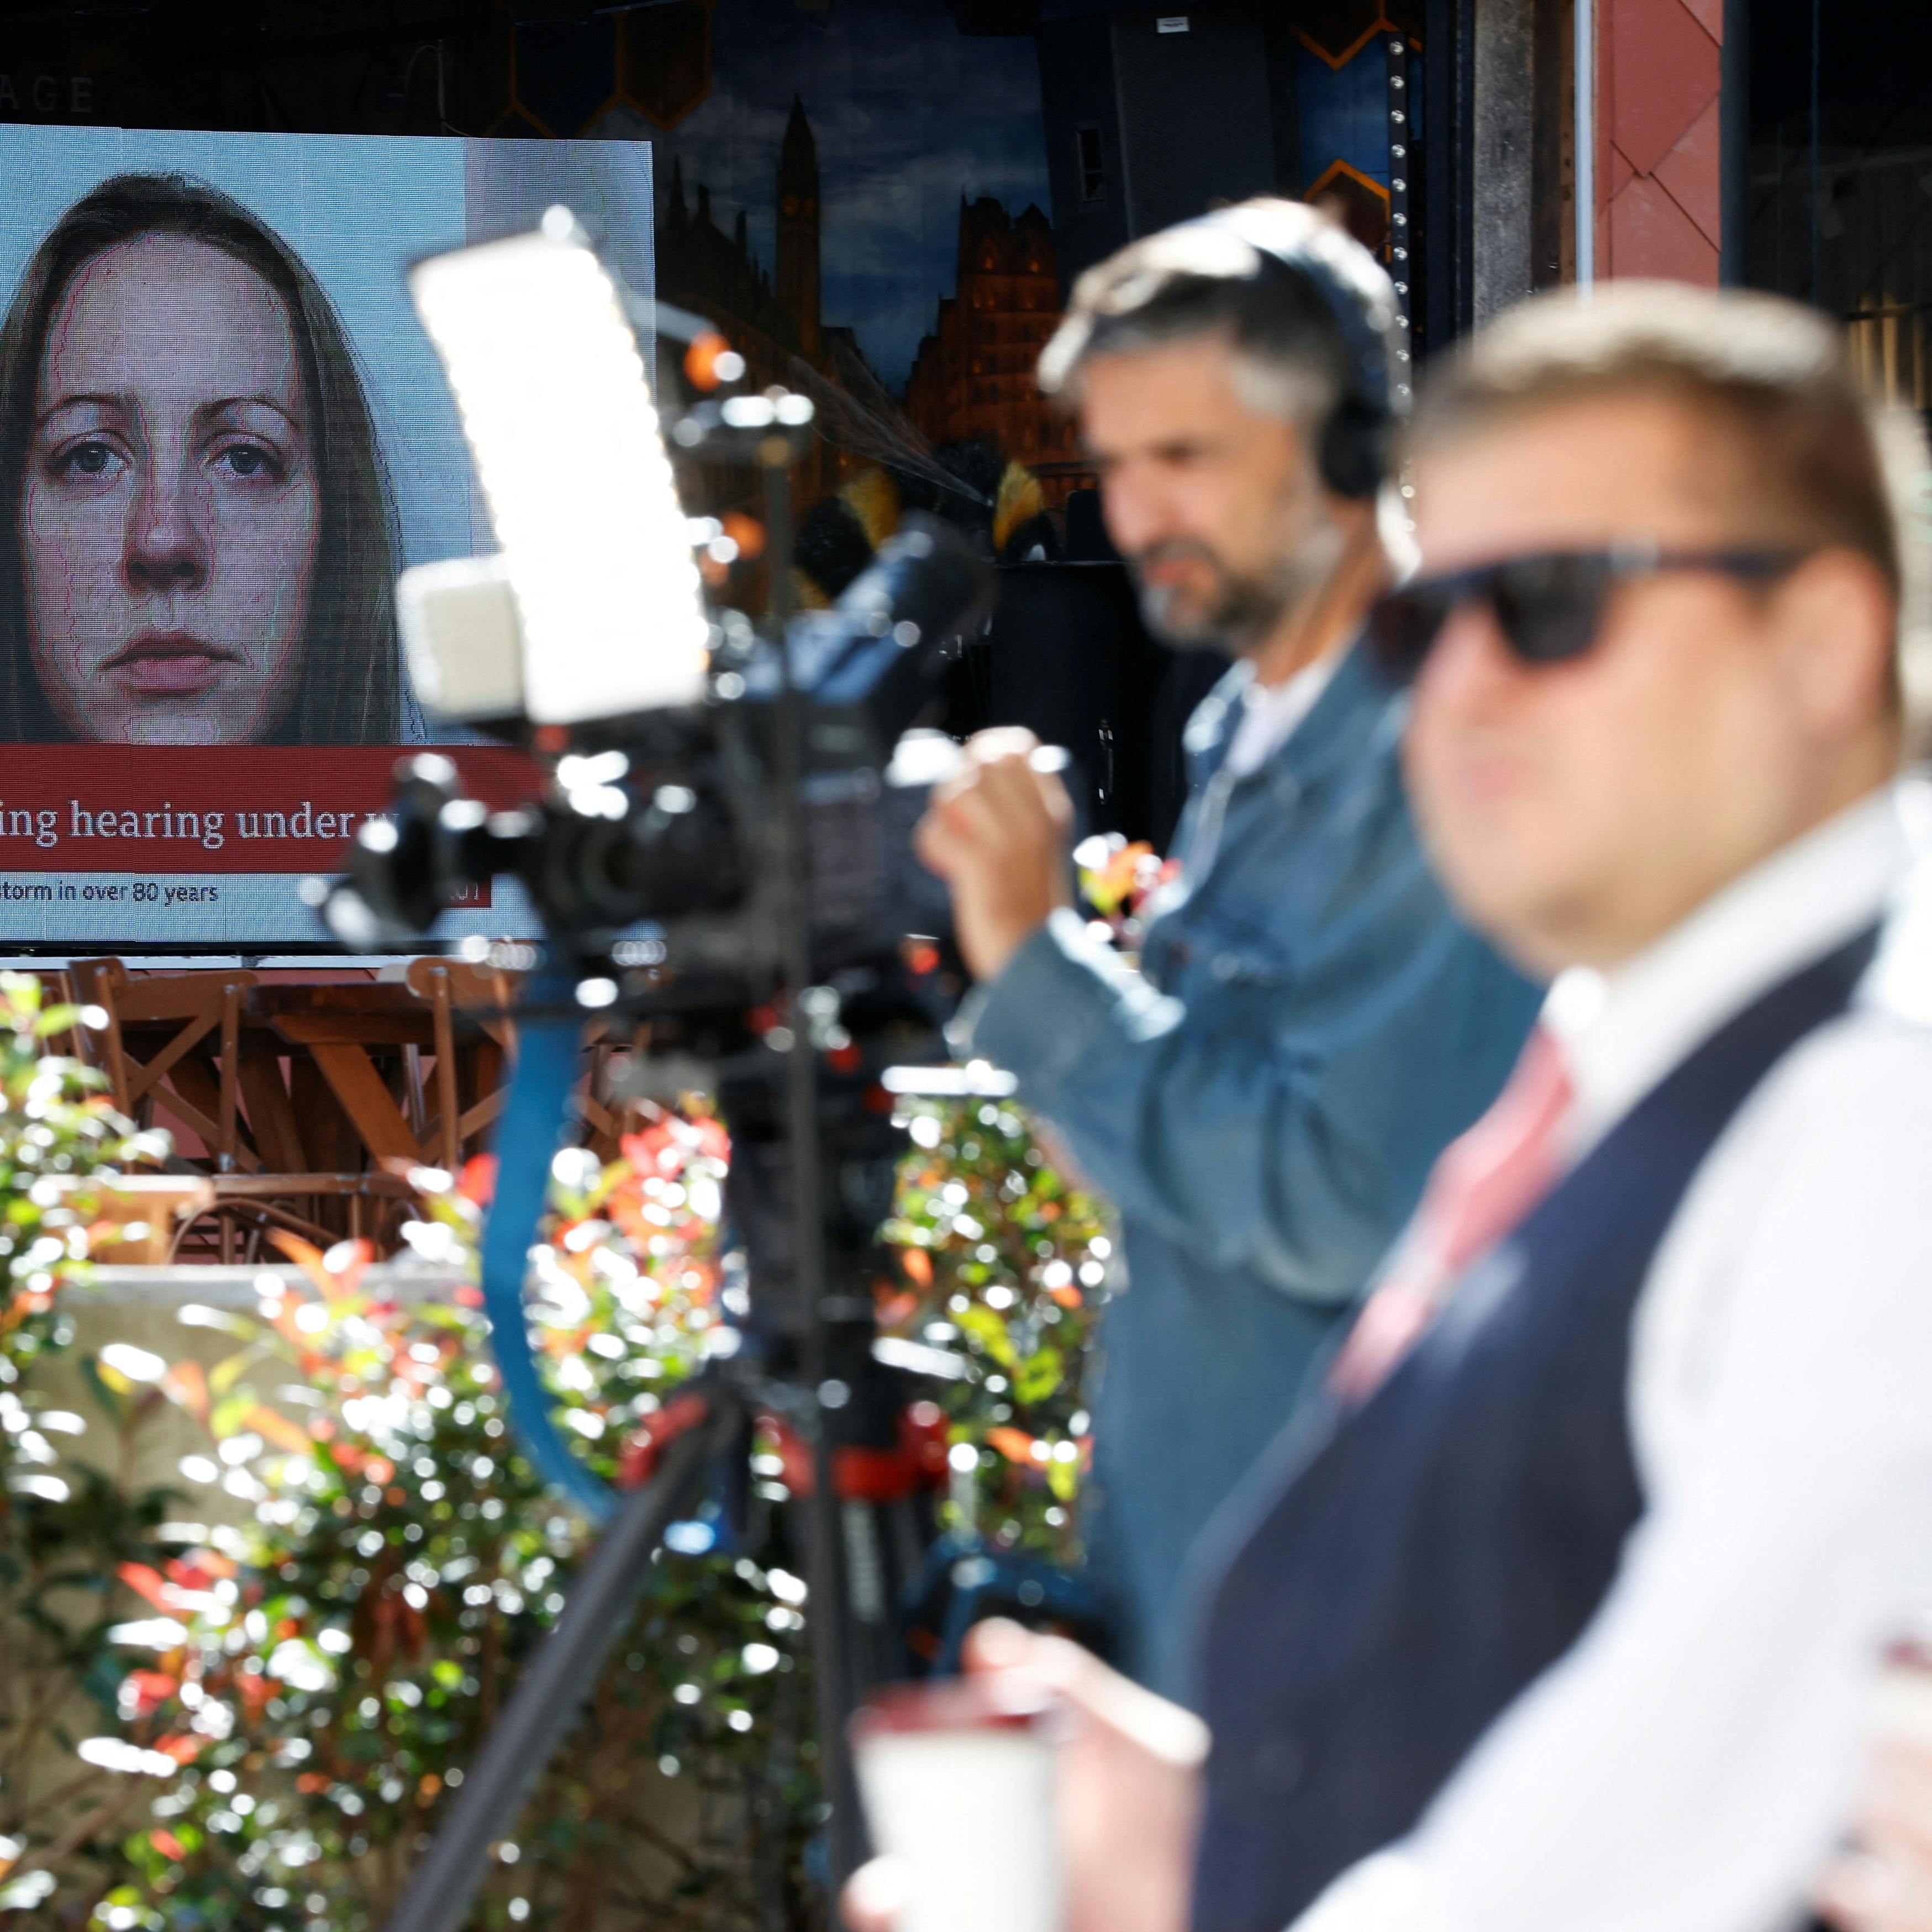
657 848
720 849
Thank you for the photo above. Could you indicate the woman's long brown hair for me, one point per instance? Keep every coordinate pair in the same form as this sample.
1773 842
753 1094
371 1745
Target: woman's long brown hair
348 691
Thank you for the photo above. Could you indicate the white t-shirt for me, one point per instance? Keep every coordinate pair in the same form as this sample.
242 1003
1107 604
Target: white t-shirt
1270 713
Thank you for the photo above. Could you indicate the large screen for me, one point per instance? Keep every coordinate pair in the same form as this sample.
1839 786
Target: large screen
222 434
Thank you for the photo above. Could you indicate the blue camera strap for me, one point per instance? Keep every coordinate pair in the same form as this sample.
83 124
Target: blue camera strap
548 1063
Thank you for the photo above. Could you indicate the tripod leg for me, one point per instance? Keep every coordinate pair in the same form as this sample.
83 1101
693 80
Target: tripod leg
836 1684
560 1677
860 1566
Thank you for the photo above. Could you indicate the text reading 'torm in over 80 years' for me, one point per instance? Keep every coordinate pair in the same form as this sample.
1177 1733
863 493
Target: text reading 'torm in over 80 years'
110 891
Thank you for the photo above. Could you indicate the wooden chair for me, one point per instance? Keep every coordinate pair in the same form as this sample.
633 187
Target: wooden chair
134 1216
602 1115
193 1070
246 1207
486 995
197 1071
57 990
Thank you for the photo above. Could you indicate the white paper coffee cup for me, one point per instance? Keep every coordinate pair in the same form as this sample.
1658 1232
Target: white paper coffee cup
961 1791
1905 1692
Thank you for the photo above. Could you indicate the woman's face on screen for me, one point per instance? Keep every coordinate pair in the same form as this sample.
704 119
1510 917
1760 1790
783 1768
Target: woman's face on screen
169 515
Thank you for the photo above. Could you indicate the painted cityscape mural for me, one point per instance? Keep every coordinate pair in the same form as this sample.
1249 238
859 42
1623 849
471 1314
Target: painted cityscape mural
859 193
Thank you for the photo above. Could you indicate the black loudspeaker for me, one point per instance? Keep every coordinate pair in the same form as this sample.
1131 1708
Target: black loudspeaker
1067 656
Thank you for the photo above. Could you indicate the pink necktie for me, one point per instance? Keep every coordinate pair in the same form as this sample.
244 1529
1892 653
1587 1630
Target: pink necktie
1482 1186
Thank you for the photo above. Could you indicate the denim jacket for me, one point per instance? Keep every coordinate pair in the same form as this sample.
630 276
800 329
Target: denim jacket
1310 1025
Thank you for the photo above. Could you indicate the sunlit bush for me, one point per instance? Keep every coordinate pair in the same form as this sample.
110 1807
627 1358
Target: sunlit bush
292 1649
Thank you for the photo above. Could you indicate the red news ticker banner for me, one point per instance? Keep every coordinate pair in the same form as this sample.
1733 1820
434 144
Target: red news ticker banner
215 808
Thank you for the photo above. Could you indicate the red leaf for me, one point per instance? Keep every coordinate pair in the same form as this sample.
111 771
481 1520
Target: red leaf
340 1282
148 1584
895 1310
152 1688
305 1255
201 1571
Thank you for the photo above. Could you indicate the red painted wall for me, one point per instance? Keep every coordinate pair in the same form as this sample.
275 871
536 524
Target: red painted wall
1658 205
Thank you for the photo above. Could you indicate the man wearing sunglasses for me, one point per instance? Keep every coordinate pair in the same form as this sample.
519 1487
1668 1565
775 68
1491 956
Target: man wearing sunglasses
1642 1396
1311 1022
1569 1614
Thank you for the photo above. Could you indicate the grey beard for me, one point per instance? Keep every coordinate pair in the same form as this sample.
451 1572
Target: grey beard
1248 608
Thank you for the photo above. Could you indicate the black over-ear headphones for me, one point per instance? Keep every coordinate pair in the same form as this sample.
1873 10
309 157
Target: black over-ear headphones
1290 238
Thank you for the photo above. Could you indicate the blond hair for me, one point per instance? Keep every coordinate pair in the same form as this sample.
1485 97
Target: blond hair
1827 460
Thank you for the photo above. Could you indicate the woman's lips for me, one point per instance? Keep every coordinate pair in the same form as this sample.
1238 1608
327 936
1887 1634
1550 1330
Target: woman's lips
172 665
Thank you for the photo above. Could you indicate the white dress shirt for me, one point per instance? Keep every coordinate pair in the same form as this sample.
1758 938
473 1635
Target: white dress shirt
1689 1764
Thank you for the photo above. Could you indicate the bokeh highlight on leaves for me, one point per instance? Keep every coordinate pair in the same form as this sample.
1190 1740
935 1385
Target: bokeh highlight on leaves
272 1666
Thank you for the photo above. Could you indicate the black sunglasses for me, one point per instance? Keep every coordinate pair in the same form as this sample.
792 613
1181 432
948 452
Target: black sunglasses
1549 607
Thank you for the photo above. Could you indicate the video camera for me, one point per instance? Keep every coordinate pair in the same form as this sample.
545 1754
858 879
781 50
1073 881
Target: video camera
721 852
726 814
654 847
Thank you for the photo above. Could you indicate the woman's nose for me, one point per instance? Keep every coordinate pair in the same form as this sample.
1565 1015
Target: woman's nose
166 545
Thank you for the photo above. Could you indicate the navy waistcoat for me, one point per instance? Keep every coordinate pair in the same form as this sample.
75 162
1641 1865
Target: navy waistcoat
1419 1561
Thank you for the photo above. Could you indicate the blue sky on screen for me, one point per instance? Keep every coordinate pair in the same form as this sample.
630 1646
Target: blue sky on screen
907 113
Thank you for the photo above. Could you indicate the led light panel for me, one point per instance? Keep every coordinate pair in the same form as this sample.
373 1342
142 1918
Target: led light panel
555 404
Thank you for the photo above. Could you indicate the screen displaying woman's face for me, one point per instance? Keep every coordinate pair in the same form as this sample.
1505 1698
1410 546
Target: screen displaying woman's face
169 515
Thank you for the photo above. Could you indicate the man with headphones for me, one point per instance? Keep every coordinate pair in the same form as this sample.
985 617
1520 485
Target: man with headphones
1309 1023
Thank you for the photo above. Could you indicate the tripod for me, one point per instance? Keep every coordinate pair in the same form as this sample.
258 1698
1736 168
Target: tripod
864 1541
808 1352
547 1701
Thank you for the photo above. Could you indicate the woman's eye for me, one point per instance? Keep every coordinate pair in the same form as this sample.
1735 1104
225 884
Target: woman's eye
89 460
246 460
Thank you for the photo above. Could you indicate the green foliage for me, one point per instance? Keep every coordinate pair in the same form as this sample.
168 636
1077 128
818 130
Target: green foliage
333 1662
284 1661
55 1126
1002 1259
62 1529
